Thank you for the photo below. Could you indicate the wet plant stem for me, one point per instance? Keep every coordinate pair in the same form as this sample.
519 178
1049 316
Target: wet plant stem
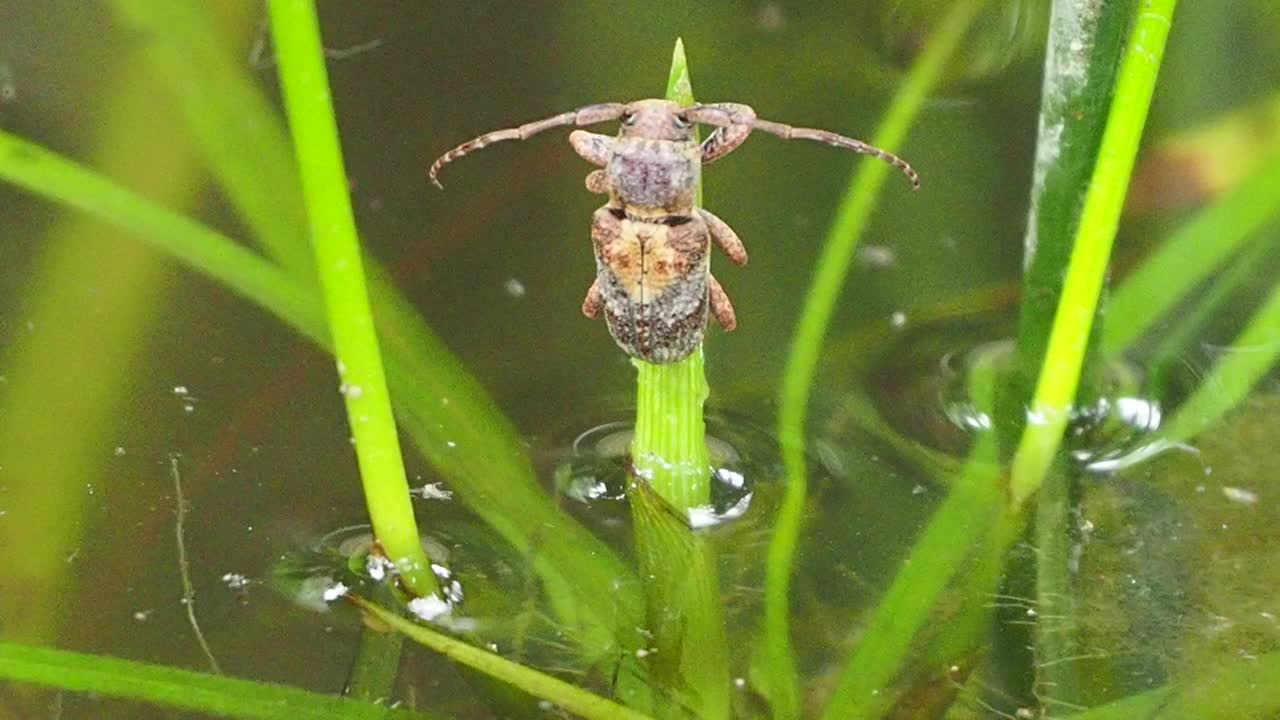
671 474
299 52
1059 376
670 449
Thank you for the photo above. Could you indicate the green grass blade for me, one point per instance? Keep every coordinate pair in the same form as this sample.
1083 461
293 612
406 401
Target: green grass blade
824 291
44 173
237 129
568 697
1073 321
1194 252
198 692
1246 688
300 54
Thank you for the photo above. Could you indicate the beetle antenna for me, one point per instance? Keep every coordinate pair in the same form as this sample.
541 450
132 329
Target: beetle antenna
840 141
730 116
589 115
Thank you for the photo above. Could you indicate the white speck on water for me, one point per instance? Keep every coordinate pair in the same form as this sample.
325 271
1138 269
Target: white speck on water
429 608
546 705
181 390
378 567
142 615
450 444
1240 495
898 320
432 491
119 451
235 581
514 288
333 592
342 367
739 682
878 256
918 490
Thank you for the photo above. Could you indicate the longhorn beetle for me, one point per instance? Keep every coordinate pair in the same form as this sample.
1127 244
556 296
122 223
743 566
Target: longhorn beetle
652 245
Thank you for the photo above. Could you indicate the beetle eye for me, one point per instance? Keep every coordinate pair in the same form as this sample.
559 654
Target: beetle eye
628 118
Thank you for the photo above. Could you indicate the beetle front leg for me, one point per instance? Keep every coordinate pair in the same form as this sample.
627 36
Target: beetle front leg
735 122
598 182
594 301
720 305
593 147
725 237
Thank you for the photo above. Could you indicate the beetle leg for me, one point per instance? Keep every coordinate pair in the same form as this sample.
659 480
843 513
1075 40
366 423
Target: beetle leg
598 182
725 237
593 302
735 122
593 147
720 305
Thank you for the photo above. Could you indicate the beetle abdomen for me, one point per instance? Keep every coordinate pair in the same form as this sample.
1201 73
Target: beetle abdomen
652 277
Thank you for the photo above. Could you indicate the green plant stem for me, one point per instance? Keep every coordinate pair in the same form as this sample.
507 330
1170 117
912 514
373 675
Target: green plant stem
1064 356
690 665
670 448
300 55
198 692
783 689
568 697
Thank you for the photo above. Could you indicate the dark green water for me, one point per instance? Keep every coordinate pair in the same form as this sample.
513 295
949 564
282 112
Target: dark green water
114 359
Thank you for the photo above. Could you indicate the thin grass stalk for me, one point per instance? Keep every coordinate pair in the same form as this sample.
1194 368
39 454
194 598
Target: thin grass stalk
779 674
1059 377
213 695
300 54
581 703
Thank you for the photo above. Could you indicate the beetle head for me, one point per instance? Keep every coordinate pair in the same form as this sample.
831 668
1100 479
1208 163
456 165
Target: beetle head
655 120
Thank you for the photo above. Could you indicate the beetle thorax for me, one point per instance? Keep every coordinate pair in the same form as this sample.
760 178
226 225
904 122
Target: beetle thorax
654 176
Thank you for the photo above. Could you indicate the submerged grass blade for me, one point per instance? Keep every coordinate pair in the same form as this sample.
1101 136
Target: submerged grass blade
1194 252
300 54
567 697
1073 320
183 689
88 305
1253 353
970 526
783 690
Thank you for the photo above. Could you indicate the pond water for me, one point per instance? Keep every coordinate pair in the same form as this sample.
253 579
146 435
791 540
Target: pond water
127 379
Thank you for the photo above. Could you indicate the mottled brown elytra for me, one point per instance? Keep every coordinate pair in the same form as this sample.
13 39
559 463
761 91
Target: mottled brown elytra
652 245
